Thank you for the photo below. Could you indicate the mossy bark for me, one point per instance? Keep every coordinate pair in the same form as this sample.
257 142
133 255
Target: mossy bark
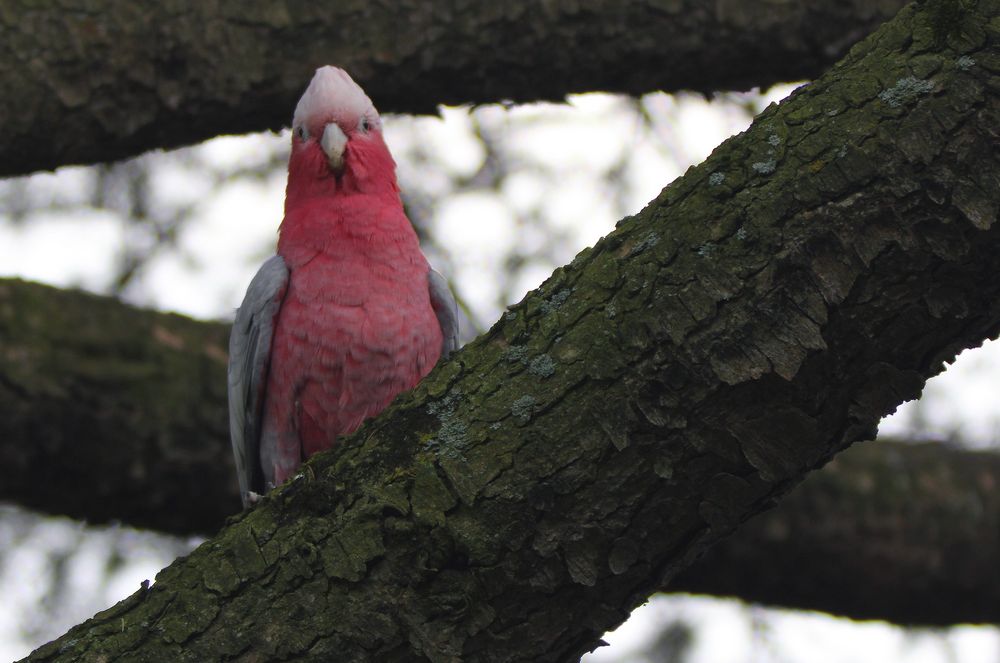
112 413
96 80
758 316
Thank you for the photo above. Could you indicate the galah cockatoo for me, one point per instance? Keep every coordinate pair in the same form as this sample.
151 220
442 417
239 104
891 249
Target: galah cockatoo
348 314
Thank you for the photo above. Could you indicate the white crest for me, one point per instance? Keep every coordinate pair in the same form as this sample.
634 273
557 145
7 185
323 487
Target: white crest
332 93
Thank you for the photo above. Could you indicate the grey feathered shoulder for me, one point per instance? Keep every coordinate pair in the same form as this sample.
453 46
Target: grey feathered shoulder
446 310
249 357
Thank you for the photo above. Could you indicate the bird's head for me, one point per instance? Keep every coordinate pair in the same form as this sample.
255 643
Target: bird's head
337 136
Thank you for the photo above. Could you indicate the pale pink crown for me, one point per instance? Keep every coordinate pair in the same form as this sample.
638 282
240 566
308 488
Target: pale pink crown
333 94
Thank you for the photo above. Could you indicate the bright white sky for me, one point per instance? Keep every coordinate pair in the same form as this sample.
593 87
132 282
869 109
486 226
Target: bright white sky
220 250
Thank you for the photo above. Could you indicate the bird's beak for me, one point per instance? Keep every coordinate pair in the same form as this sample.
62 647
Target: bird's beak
333 142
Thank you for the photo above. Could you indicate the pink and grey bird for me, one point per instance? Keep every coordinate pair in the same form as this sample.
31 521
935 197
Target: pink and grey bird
348 314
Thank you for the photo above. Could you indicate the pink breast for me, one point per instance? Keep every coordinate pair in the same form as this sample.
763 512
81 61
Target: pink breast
349 339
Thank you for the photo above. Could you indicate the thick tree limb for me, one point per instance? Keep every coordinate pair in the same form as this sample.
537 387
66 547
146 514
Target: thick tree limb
758 316
145 446
99 80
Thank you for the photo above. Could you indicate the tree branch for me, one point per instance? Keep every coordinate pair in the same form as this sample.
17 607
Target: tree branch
757 317
899 532
112 413
105 79
147 446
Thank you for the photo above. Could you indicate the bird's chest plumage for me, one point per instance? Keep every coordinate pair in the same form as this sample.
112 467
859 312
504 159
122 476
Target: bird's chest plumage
355 329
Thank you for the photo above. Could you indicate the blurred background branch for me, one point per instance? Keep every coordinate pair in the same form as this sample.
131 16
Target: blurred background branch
107 80
125 422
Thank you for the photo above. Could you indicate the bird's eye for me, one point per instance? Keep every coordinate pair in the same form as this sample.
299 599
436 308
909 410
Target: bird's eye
365 125
301 132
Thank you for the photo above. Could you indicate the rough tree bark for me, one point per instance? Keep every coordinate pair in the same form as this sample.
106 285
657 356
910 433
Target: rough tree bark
106 79
109 413
758 316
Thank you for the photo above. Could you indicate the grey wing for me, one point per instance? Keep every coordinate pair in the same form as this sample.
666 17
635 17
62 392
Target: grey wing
446 311
249 357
